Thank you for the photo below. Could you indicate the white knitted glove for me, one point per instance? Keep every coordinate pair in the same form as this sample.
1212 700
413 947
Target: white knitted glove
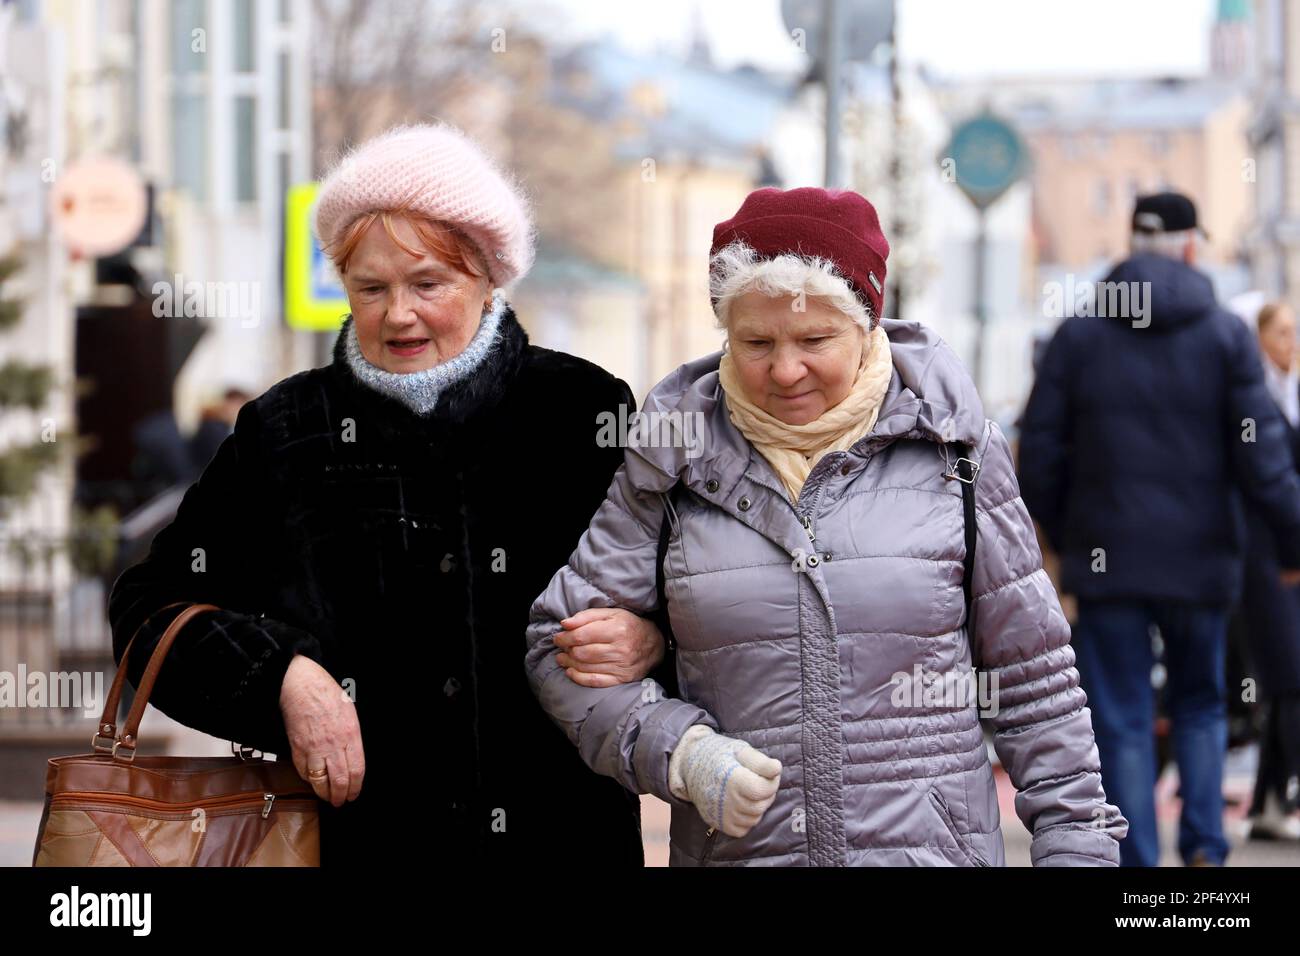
730 782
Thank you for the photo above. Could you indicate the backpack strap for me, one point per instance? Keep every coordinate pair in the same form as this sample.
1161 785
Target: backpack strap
966 469
666 672
660 617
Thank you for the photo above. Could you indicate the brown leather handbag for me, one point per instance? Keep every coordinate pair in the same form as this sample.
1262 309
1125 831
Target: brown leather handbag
112 808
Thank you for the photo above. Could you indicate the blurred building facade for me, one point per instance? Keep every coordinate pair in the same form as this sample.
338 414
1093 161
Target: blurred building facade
686 144
209 102
1097 150
227 126
1274 238
35 573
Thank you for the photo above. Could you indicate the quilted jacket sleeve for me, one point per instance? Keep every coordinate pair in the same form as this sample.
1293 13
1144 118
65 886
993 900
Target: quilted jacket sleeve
627 732
1042 726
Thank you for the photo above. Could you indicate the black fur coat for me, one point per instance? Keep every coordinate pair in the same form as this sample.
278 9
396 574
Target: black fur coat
402 552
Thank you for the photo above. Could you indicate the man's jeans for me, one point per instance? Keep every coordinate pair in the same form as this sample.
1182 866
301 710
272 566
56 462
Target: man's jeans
1112 645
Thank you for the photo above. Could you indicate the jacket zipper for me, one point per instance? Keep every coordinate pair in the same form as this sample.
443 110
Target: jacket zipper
804 517
710 835
808 513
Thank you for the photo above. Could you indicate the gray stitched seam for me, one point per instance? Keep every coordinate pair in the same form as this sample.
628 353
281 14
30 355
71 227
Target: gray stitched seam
823 774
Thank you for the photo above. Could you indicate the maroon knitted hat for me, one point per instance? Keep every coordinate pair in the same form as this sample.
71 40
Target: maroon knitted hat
836 224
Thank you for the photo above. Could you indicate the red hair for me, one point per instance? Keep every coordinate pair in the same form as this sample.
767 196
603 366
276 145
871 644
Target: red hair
445 241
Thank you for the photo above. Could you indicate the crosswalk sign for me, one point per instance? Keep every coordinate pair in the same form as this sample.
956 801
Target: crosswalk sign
313 296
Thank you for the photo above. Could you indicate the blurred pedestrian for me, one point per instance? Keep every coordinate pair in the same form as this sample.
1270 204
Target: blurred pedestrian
216 424
1272 610
1147 424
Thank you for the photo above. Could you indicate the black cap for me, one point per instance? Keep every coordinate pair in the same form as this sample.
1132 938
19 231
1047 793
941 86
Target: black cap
1165 212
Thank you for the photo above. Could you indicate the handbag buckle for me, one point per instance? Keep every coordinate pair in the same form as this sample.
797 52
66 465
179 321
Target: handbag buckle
101 744
128 749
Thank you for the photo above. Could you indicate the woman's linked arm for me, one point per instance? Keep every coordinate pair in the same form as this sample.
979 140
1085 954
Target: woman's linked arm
224 672
1042 728
627 731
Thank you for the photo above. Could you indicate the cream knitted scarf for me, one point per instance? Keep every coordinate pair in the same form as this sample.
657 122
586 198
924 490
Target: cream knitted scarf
794 450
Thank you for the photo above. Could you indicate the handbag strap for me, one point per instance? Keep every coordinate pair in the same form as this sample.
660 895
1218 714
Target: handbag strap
106 739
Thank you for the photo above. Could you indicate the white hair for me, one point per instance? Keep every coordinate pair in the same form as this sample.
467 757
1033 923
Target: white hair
1170 244
737 269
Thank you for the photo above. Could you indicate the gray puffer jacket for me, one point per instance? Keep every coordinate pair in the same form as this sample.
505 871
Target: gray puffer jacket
794 627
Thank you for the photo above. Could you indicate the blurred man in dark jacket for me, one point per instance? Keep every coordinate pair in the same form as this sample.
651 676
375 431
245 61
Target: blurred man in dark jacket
1148 421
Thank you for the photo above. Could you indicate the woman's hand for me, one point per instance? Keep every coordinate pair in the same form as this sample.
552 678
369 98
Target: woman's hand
731 783
320 721
606 646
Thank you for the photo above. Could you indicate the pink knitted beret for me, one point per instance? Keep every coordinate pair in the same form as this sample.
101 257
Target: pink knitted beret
437 171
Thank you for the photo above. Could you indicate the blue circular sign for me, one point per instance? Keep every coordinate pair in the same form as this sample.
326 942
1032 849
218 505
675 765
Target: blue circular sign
987 156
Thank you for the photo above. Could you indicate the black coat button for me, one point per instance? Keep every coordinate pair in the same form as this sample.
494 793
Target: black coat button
711 485
846 468
452 687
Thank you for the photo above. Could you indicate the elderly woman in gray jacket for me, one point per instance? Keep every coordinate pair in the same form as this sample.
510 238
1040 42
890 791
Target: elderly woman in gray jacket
814 578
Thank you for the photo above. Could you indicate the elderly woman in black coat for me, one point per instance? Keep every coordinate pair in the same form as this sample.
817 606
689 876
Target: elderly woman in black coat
375 531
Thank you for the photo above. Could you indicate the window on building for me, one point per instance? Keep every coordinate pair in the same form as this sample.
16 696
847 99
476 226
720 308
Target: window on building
1101 197
188 42
189 36
283 173
245 38
282 79
245 149
190 143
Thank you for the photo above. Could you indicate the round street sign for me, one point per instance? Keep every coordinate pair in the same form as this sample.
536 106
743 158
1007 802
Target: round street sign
99 206
987 156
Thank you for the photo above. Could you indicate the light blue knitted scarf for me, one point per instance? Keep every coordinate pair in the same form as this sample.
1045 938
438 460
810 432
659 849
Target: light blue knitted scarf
419 391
